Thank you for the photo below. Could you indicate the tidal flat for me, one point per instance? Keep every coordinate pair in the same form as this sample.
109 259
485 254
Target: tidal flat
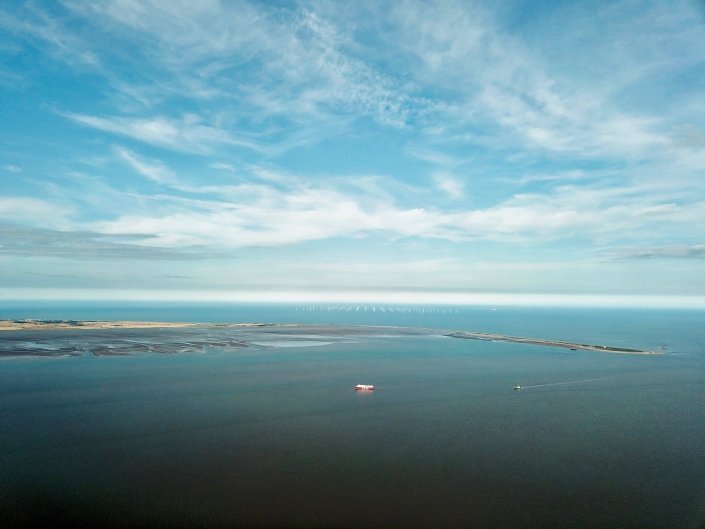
195 337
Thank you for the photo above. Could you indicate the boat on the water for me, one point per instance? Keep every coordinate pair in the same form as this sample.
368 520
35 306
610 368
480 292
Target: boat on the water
517 388
364 387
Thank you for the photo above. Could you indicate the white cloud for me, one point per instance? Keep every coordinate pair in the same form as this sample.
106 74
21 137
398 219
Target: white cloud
592 214
188 134
297 72
291 212
450 185
465 108
288 61
34 211
262 216
38 25
155 171
575 175
492 77
220 166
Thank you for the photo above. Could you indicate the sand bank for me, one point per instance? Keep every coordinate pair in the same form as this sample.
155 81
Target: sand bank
549 343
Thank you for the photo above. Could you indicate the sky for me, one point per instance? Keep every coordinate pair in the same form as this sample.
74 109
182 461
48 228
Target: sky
210 150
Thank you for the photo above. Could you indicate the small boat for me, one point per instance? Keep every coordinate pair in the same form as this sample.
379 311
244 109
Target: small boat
364 387
517 388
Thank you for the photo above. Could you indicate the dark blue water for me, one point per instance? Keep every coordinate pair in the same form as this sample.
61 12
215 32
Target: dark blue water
276 437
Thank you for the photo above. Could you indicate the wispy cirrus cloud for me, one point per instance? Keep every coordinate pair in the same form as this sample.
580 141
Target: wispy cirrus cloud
188 134
461 71
220 166
450 185
283 62
152 170
45 28
493 78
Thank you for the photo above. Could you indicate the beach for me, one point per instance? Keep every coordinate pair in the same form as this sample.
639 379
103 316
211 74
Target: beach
550 343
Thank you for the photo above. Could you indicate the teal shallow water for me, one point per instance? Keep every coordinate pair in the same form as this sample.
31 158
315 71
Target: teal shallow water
276 437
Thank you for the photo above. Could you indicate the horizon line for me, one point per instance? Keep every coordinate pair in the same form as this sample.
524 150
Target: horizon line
372 297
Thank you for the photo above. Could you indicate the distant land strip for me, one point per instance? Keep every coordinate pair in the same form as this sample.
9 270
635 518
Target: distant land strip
35 325
548 343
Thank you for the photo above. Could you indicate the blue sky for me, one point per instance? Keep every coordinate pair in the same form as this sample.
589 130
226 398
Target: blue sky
220 149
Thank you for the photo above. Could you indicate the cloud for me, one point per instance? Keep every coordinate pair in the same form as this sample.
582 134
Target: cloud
570 176
500 84
294 211
695 251
36 25
299 74
263 216
220 166
449 185
302 72
154 171
430 117
12 168
187 134
280 62
79 245
276 209
596 214
33 210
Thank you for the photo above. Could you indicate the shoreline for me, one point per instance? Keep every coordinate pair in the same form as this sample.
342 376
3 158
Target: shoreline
42 325
488 337
49 325
52 325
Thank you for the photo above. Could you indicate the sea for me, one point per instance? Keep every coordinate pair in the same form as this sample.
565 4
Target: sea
261 427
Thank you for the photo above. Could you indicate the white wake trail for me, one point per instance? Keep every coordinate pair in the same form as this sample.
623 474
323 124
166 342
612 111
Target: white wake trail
569 382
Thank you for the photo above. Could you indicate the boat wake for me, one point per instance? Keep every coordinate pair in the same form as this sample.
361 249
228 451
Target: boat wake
564 383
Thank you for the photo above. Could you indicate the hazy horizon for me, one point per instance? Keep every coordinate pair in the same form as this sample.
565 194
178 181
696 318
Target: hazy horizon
350 298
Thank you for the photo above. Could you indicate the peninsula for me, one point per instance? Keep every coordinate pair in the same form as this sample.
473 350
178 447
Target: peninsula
548 343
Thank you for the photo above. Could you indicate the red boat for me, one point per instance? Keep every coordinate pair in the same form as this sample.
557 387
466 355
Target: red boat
364 387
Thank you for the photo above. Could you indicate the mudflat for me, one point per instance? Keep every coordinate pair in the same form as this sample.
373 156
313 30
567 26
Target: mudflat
33 325
37 325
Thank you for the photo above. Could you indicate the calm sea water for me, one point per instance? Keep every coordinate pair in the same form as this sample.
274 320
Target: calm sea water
276 437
